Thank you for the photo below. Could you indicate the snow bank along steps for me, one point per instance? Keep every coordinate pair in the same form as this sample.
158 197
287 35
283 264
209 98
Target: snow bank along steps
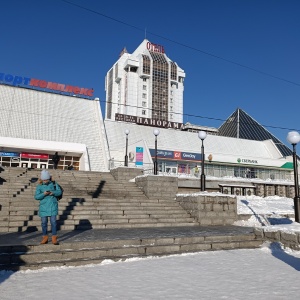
90 200
96 247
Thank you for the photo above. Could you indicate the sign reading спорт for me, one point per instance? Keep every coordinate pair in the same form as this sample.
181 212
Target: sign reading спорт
42 84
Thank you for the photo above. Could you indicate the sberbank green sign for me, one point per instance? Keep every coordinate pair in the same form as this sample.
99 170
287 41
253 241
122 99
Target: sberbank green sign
247 161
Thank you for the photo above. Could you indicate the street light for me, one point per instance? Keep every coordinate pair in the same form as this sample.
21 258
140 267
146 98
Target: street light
126 131
202 136
156 133
293 138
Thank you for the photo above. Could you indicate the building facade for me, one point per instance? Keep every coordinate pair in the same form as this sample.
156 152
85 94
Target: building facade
35 124
144 92
179 153
145 84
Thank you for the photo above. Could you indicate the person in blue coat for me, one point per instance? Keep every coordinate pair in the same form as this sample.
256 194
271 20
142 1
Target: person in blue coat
46 193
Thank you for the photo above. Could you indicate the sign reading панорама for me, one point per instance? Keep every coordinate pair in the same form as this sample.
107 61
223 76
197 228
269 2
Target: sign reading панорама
45 85
148 122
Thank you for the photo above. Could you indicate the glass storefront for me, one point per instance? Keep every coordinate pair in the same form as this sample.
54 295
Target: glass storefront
43 161
248 172
215 170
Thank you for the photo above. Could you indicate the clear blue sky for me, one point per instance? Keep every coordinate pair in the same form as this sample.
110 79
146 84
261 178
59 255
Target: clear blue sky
226 48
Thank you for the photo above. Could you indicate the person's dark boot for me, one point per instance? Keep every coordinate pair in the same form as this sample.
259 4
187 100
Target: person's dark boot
54 240
44 240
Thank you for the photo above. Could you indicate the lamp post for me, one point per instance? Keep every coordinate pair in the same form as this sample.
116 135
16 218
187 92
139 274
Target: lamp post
202 136
293 138
126 131
156 133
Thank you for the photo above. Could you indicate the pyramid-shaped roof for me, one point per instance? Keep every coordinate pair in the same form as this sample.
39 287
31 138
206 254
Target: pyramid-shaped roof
241 125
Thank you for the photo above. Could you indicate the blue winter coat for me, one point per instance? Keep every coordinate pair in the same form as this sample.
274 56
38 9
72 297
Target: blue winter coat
48 203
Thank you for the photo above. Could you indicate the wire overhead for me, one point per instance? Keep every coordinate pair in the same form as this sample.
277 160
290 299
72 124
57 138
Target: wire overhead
183 45
197 116
194 49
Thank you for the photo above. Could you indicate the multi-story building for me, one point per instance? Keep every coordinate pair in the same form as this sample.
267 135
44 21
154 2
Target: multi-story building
145 84
40 118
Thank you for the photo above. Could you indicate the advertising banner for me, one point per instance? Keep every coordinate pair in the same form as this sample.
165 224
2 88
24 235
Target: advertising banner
10 154
34 155
176 155
139 156
44 85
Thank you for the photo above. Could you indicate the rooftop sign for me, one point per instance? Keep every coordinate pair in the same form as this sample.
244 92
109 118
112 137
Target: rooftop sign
155 47
45 85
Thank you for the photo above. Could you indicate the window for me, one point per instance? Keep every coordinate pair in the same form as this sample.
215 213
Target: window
144 79
171 107
144 87
144 95
143 112
146 64
144 104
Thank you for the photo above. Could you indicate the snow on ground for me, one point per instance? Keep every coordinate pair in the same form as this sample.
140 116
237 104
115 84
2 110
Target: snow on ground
271 212
265 273
270 272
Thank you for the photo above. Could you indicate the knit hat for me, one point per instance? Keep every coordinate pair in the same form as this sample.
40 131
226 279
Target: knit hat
45 175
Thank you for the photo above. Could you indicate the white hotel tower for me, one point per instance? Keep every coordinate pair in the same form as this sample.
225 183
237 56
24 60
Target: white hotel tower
145 84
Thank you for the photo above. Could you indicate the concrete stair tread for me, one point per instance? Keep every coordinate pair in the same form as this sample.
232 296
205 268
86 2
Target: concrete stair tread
83 247
90 199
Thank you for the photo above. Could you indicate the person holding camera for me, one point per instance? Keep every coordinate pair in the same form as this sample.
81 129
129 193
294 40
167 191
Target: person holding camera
46 193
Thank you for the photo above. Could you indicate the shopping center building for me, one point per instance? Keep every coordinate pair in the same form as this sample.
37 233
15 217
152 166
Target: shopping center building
35 124
179 152
39 118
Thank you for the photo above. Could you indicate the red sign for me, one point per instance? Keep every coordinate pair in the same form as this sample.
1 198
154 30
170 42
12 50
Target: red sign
155 48
61 87
177 155
19 80
34 155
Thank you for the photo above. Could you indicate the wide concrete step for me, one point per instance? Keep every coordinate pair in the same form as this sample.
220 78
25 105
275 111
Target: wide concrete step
106 208
105 220
83 203
80 251
99 225
90 200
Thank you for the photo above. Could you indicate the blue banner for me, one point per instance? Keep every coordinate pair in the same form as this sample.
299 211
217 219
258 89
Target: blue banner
10 154
176 155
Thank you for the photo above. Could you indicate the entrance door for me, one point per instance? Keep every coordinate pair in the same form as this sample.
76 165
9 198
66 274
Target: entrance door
24 165
33 165
171 170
